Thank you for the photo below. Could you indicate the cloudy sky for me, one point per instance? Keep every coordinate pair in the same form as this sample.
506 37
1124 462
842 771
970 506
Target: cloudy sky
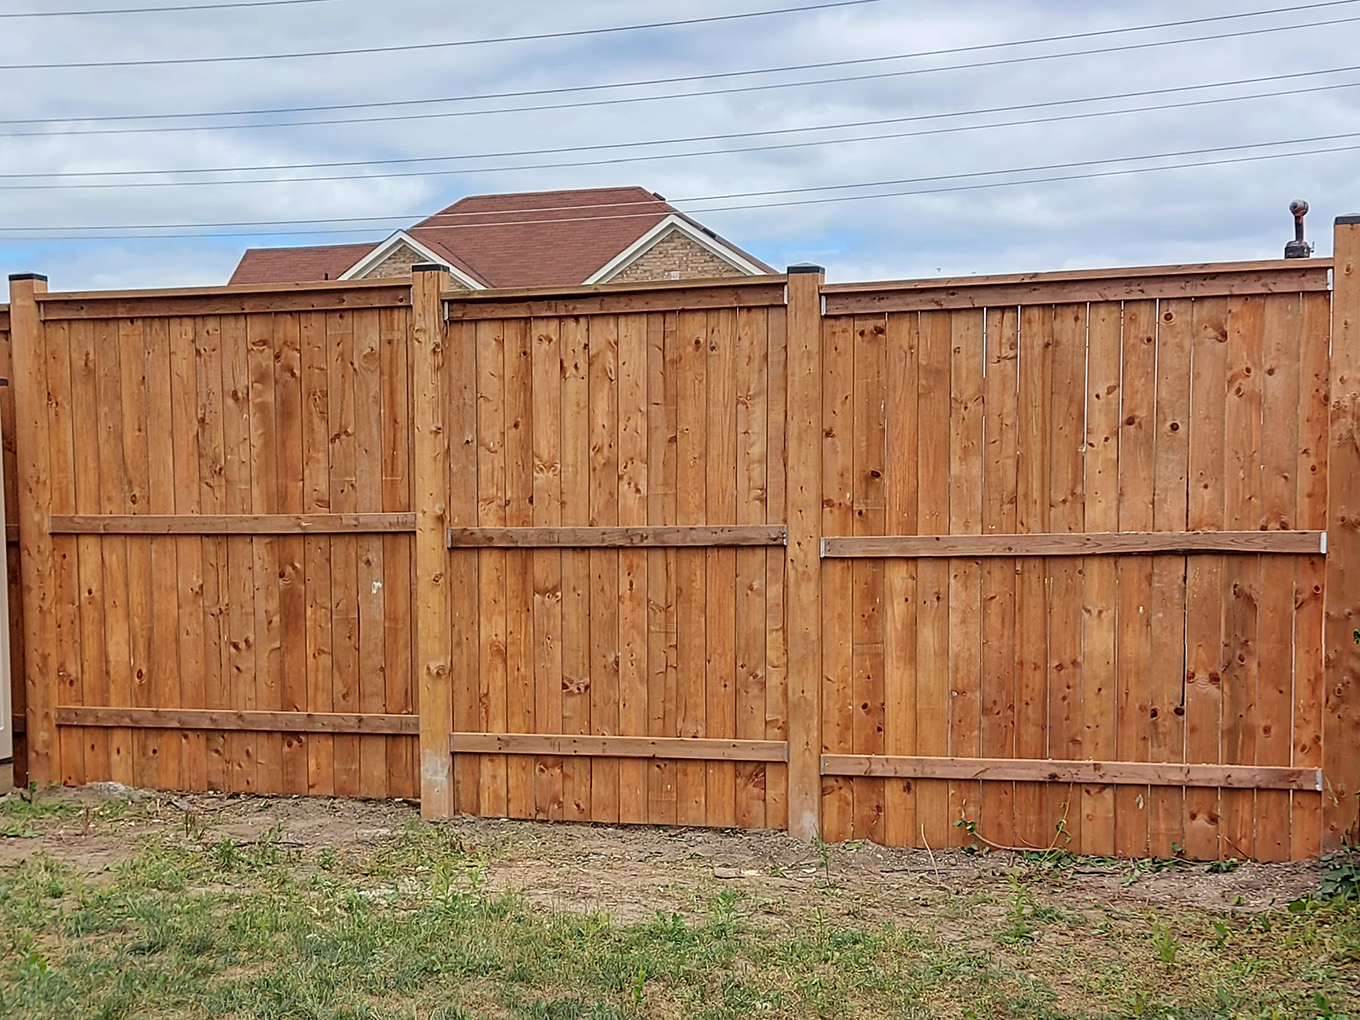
939 162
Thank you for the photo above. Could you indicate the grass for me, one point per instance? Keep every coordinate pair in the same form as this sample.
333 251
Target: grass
200 927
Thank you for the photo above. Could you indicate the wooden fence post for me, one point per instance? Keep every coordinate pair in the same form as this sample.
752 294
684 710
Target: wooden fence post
1341 661
36 568
804 565
430 597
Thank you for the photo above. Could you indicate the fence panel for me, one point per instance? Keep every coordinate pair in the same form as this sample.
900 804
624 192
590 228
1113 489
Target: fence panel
625 468
1084 414
230 523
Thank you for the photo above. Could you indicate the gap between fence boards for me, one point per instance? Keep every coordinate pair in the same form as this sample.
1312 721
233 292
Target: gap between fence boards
1117 773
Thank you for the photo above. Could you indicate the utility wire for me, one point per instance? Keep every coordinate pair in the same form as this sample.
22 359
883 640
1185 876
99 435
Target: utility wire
651 210
689 95
735 208
844 125
666 81
451 44
651 157
160 10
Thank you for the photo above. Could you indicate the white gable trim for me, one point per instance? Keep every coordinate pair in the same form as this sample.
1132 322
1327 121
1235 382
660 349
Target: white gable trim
647 241
386 248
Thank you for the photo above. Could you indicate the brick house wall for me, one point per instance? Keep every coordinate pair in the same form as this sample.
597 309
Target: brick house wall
399 263
676 253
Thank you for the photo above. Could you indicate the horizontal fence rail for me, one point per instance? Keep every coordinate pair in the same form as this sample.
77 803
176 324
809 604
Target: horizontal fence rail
1125 773
616 538
1087 544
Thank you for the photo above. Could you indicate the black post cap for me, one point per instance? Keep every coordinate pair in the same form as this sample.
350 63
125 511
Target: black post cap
805 267
1348 221
18 277
430 267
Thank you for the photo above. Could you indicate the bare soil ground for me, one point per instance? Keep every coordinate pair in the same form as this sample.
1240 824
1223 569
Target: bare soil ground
632 872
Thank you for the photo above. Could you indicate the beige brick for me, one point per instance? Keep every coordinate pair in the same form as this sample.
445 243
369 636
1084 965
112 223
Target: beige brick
676 253
399 263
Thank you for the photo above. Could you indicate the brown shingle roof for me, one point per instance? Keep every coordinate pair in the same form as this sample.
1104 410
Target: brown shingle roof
531 239
297 265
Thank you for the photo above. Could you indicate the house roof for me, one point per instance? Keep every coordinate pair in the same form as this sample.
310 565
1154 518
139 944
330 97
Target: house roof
530 239
297 265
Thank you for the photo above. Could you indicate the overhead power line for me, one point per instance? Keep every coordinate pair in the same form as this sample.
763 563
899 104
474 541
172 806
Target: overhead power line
449 44
160 10
674 80
1005 61
669 156
842 125
650 210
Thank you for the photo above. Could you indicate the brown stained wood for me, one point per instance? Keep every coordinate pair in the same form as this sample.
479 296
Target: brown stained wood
1341 710
996 811
164 679
1280 463
188 649
720 603
1244 777
575 745
547 564
661 537
36 549
604 566
491 587
575 511
776 510
368 481
1032 828
757 293
802 579
317 640
1204 636
132 364
1166 677
212 497
93 669
454 634
1078 287
899 576
1137 427
633 579
1066 512
1242 469
1311 488
867 582
932 678
838 466
225 301
691 717
967 352
230 524
1100 579
346 681
403 756
261 340
752 482
519 578
238 721
1296 543
68 676
662 634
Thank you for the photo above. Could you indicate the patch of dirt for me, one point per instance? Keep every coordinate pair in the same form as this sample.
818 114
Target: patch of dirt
633 872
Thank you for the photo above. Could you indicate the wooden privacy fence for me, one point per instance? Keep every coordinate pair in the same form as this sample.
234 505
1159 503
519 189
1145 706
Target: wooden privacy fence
1066 559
